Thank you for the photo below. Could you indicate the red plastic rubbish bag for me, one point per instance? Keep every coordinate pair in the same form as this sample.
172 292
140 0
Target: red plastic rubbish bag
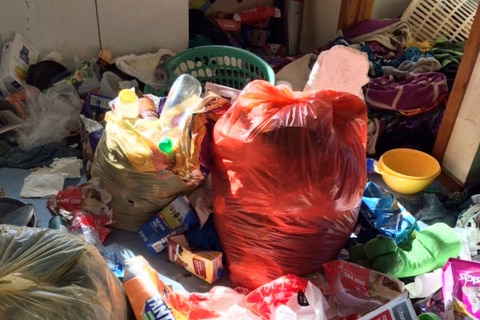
289 173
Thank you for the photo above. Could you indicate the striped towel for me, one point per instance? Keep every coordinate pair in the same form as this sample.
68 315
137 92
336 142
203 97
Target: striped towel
414 91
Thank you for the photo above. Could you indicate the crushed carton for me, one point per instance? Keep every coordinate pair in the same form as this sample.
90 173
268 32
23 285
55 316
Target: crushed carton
17 56
178 216
358 290
207 265
400 308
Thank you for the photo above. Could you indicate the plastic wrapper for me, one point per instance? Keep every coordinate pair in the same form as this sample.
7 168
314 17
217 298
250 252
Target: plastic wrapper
469 219
46 274
286 298
87 198
432 303
461 289
289 297
52 116
288 176
382 214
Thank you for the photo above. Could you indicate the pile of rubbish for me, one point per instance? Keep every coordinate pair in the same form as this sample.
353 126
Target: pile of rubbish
266 185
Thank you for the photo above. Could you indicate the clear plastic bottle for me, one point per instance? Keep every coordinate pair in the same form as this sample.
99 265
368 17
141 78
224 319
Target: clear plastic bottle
83 225
127 104
183 97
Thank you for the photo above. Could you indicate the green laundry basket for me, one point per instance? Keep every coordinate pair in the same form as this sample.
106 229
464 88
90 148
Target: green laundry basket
229 66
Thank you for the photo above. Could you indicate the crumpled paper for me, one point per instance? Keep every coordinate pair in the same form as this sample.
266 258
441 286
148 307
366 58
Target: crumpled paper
48 181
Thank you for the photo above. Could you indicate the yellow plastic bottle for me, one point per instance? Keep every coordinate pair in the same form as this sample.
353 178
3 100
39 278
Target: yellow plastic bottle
127 104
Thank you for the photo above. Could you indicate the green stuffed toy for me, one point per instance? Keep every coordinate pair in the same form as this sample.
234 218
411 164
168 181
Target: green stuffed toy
423 252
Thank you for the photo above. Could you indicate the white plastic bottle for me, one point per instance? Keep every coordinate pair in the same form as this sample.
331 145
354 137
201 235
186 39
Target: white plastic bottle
183 97
127 104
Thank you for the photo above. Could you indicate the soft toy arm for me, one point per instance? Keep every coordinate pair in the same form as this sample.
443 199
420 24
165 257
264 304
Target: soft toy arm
426 251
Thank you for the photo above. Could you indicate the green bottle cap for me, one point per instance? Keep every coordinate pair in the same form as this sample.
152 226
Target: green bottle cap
165 145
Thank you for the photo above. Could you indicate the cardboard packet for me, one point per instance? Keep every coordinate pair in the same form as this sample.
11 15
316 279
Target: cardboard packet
399 308
178 216
207 265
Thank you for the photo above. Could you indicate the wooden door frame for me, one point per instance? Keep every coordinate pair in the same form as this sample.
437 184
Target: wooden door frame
353 12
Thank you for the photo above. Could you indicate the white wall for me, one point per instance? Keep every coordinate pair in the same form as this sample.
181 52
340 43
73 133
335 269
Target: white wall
319 24
66 26
72 28
143 25
389 8
465 139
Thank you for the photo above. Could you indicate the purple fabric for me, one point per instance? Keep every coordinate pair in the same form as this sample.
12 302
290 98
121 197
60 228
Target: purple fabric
416 90
368 26
417 132
378 50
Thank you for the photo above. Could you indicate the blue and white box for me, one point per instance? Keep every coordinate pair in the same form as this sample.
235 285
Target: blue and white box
177 217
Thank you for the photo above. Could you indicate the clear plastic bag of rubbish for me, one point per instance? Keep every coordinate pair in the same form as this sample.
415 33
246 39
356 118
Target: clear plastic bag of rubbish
142 179
52 116
46 274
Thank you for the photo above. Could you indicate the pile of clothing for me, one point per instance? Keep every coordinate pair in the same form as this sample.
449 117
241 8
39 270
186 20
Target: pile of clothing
409 85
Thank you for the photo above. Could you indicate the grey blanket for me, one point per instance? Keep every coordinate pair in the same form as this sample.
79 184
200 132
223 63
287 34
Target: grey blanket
11 155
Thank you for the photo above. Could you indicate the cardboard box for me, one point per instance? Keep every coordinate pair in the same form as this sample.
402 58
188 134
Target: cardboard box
229 25
225 21
178 216
207 265
96 106
9 121
400 308
17 56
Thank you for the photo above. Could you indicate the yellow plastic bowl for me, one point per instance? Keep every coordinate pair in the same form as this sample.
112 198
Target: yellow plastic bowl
407 171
